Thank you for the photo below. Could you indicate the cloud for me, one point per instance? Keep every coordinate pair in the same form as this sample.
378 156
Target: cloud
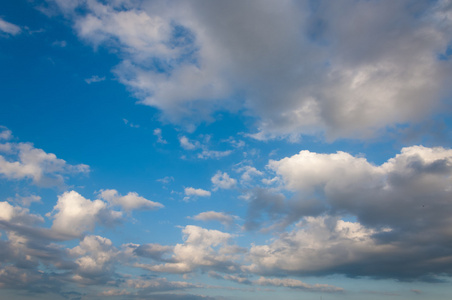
9 28
320 245
158 133
202 248
129 202
205 154
189 191
221 217
25 200
23 161
159 284
127 122
94 79
248 172
297 284
5 133
326 75
95 260
401 207
154 251
187 144
73 214
223 181
17 214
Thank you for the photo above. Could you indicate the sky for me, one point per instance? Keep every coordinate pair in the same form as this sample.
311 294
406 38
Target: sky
225 150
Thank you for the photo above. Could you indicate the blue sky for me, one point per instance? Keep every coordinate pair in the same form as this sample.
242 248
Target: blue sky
225 150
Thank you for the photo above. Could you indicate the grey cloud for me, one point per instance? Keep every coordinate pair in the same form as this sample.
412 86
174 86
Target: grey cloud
346 70
154 251
402 208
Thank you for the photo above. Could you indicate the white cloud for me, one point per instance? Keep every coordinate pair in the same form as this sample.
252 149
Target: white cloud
5 133
189 191
158 134
130 124
221 217
23 161
299 77
187 144
73 214
94 79
205 154
199 250
9 28
223 181
17 214
248 172
129 202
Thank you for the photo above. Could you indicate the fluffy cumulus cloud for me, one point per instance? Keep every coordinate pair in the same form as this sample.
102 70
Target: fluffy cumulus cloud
190 191
24 161
345 69
222 181
202 249
95 260
73 214
400 206
129 202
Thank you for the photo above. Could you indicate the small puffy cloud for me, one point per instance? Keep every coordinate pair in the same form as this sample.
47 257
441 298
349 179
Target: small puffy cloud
73 214
298 284
189 191
223 181
5 133
248 172
206 154
154 251
130 124
158 133
166 179
187 144
129 202
94 79
9 28
23 161
221 217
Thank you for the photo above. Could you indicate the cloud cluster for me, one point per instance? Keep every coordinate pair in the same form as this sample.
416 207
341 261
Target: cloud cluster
402 208
24 161
202 249
295 65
